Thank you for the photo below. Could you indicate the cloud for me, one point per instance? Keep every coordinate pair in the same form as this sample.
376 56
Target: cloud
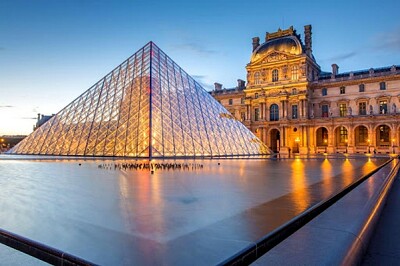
6 106
201 79
341 57
195 48
389 40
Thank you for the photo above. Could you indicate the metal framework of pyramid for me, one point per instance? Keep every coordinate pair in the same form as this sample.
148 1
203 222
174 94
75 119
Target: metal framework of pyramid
146 107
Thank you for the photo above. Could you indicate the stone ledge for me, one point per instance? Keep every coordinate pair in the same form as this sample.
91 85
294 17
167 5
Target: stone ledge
340 235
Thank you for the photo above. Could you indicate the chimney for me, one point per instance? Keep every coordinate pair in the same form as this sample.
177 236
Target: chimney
256 43
240 84
266 36
335 70
217 86
307 39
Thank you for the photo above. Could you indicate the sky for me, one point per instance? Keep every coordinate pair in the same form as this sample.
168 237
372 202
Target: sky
51 51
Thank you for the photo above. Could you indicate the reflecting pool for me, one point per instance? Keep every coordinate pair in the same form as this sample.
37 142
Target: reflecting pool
202 215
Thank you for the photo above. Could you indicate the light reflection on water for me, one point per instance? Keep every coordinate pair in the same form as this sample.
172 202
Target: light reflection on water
134 216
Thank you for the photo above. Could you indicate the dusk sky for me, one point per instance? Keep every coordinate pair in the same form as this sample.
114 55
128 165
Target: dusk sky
52 51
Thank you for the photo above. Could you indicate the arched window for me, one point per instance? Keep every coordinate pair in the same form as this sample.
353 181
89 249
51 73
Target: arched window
275 75
274 112
295 73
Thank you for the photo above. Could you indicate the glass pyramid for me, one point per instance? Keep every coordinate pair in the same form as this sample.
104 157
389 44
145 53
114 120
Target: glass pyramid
146 107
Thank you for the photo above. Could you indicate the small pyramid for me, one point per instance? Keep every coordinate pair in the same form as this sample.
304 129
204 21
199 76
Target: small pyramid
147 107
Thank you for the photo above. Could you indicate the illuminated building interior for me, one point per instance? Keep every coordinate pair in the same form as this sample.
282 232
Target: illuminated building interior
147 107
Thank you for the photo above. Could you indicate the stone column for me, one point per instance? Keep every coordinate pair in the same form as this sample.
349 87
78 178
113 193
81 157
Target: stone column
248 114
262 110
331 140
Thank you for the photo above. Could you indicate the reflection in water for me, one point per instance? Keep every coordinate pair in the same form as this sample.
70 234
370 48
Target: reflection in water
298 180
348 173
169 217
327 174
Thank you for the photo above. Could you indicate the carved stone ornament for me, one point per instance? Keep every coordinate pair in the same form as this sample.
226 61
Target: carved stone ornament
275 57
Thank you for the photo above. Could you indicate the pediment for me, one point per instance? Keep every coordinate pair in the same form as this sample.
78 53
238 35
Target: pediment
272 57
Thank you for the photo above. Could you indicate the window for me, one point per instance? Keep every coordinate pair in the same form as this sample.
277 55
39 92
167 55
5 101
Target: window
256 114
324 91
325 110
343 135
382 86
274 113
294 111
294 91
295 73
256 95
342 109
275 75
257 78
362 134
361 88
362 108
242 100
230 101
384 133
342 90
383 107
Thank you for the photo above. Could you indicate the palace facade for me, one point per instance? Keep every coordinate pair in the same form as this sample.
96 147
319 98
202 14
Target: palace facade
295 107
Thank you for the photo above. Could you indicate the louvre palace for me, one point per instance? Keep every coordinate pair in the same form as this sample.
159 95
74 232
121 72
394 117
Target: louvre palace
295 107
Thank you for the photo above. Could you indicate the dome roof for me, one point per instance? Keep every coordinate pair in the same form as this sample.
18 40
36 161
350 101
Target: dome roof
287 44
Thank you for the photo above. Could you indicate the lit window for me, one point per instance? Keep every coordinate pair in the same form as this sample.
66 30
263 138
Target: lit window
274 113
361 88
362 108
343 135
362 134
384 133
382 86
275 75
256 114
342 90
230 101
294 111
342 109
325 110
324 91
295 73
383 107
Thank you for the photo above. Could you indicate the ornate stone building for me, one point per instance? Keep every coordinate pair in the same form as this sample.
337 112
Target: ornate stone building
293 106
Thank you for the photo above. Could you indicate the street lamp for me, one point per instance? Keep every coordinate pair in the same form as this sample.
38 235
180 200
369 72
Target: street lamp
346 140
325 144
393 140
369 148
